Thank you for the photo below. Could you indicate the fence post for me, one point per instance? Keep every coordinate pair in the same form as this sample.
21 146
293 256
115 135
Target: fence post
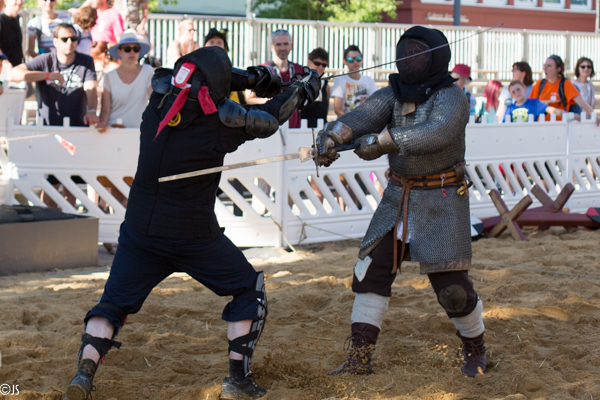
319 29
378 45
525 45
568 39
480 53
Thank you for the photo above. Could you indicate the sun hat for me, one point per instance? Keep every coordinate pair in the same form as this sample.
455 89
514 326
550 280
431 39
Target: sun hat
463 69
219 33
130 36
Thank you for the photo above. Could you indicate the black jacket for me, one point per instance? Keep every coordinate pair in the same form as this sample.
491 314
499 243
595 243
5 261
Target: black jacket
183 209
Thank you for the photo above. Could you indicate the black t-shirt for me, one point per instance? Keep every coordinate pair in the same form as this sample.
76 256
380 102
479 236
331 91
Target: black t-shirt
68 99
318 109
11 39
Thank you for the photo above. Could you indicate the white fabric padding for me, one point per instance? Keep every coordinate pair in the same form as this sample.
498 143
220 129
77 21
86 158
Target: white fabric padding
370 308
471 325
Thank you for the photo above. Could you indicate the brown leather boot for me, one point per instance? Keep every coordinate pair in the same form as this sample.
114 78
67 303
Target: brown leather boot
360 351
473 350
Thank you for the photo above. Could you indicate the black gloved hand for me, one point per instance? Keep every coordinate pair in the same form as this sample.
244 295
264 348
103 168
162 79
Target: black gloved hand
326 141
263 80
310 84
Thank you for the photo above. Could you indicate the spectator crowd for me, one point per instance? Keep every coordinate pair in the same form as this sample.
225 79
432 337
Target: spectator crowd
92 65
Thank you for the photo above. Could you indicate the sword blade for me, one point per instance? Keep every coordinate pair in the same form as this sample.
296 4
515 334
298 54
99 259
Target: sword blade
304 154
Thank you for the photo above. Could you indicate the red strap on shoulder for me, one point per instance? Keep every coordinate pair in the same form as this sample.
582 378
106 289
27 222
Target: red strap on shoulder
177 104
206 102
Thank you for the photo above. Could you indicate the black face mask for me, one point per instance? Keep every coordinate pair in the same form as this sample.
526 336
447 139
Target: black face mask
414 69
421 76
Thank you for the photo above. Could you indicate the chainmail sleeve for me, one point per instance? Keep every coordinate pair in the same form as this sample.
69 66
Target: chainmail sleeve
371 116
444 126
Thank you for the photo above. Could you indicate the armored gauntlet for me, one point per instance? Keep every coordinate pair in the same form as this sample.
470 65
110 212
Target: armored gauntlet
334 133
375 145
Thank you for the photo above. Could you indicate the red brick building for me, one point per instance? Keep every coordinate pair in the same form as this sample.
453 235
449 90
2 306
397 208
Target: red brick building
564 15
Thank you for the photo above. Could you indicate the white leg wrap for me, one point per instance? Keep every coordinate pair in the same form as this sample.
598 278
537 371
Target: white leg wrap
472 325
370 308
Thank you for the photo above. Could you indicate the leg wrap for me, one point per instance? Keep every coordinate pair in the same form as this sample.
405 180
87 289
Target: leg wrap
370 308
101 345
471 325
250 339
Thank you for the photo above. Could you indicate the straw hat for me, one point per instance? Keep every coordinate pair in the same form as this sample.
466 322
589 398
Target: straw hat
130 36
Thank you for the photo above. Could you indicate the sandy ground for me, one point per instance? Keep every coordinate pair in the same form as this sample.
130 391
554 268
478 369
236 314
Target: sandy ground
543 332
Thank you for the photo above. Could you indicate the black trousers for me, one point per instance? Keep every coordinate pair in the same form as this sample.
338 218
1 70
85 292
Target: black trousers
142 262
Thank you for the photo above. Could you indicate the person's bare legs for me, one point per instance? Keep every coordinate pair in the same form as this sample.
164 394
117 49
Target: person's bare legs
235 330
97 327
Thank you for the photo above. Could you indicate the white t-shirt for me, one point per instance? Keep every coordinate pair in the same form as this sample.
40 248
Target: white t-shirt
128 102
354 92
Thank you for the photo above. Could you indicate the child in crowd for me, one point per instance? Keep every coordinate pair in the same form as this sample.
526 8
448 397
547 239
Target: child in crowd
524 106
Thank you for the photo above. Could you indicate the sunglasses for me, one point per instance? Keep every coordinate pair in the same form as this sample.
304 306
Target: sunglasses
127 49
351 59
320 64
585 66
52 1
71 38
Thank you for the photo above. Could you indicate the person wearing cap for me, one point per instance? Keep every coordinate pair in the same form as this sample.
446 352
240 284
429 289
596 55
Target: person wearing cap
218 38
126 90
185 44
462 74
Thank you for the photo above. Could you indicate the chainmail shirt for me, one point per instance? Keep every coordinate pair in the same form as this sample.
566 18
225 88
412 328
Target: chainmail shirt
430 139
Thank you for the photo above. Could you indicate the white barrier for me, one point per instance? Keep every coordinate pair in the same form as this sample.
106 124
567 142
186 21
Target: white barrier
252 207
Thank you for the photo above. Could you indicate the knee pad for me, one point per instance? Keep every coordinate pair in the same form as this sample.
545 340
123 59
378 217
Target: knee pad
453 298
251 339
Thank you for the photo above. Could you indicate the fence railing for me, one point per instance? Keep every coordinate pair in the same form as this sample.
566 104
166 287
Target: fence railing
490 54
270 204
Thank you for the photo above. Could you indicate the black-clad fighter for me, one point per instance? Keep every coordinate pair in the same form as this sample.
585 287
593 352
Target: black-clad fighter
190 124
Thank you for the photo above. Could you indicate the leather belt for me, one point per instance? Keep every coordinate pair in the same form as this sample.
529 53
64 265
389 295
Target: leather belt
454 176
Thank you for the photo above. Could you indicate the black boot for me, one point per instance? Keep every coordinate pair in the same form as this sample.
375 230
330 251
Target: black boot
235 388
359 362
473 351
81 385
239 385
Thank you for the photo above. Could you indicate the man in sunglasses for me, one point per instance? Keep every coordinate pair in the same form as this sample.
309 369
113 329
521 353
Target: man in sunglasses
66 81
353 89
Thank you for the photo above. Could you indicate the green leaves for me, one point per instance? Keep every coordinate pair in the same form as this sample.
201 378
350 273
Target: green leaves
331 10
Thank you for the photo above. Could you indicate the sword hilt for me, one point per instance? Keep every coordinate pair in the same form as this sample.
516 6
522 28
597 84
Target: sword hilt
345 147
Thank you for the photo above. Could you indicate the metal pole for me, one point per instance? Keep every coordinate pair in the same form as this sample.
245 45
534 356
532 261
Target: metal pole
457 12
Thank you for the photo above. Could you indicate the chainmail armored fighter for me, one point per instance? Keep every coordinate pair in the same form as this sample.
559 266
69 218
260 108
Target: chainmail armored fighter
424 213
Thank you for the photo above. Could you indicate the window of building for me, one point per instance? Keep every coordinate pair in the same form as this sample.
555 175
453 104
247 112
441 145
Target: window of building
526 3
581 4
554 3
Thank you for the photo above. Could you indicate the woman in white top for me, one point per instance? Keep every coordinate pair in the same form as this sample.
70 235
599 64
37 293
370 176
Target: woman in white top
184 45
41 28
584 70
127 88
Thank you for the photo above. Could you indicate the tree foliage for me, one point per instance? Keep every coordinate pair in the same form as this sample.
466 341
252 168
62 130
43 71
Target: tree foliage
331 10
153 5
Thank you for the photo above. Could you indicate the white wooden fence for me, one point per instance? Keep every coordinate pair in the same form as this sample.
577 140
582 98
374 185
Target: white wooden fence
257 214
